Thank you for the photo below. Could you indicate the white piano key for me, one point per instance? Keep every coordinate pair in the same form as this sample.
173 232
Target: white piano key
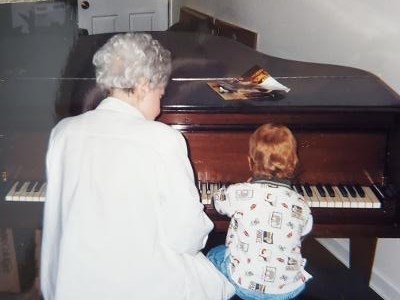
368 195
326 201
19 192
373 200
37 192
353 199
312 202
300 189
307 198
331 199
42 196
338 198
376 202
209 194
315 200
29 195
21 195
356 201
335 201
214 189
10 194
344 201
362 203
203 193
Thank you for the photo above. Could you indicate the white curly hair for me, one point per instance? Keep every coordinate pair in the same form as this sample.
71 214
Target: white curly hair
128 59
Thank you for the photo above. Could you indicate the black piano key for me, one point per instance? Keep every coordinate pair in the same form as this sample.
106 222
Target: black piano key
378 192
19 186
359 191
299 189
343 190
351 191
30 186
208 187
330 190
38 186
308 190
321 190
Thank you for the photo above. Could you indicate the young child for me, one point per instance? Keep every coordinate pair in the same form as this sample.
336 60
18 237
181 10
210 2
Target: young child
262 256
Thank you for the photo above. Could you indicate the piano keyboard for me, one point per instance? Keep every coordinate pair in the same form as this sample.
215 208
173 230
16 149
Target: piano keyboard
341 196
328 196
27 191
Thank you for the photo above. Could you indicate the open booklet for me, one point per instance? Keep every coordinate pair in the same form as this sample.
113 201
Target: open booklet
255 83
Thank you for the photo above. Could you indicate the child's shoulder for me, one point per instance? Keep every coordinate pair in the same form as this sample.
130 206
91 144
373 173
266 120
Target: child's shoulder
240 186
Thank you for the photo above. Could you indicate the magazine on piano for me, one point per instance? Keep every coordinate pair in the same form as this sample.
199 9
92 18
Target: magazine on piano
254 83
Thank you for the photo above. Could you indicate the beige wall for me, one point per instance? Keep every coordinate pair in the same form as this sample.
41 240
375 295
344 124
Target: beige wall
358 33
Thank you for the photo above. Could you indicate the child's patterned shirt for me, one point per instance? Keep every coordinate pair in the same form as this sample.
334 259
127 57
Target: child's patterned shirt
268 220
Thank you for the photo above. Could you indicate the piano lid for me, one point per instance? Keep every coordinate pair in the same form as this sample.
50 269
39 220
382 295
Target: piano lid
46 71
313 86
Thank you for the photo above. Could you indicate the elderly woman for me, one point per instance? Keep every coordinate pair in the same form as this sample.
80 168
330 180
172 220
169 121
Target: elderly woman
122 216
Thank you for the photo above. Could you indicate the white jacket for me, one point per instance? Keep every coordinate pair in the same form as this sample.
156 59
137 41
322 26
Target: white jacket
122 216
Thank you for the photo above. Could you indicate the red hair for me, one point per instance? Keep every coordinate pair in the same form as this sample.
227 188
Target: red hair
273 152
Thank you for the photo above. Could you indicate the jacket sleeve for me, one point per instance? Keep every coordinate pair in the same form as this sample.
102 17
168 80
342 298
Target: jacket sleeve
225 200
185 224
308 221
308 225
51 234
222 202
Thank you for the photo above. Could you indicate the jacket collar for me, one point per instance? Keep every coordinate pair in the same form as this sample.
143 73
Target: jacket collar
115 104
274 181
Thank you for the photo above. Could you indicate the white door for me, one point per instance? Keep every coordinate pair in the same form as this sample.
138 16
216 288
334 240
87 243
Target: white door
100 16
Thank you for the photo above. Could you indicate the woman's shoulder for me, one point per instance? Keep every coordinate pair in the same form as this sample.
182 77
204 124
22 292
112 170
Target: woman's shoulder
69 123
162 130
167 129
64 125
165 135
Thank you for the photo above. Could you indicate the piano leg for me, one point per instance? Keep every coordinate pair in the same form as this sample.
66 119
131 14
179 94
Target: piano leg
362 254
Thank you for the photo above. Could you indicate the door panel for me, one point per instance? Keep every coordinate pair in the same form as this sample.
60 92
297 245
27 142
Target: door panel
102 24
141 22
99 16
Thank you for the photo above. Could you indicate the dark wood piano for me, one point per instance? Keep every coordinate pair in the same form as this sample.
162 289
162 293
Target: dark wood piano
346 122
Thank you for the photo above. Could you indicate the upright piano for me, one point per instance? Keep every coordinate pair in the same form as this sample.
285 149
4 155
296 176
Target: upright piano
346 121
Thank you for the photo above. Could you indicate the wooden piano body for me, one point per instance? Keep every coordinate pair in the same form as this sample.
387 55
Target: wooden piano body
346 122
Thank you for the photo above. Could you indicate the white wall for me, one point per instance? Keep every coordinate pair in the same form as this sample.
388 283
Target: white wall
358 33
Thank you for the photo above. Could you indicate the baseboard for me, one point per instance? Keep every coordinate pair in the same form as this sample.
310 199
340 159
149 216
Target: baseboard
339 248
382 286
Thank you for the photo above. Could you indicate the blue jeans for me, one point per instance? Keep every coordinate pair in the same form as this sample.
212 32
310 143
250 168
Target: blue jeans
219 256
